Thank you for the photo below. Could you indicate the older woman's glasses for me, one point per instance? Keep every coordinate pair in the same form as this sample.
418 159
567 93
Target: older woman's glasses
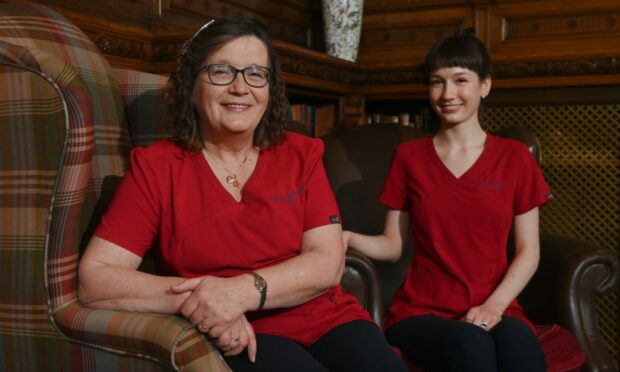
254 76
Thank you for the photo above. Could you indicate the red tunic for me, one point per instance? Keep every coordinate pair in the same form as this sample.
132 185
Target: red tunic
460 226
172 198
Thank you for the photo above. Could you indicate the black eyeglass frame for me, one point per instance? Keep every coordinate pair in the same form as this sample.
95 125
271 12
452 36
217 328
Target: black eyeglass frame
237 71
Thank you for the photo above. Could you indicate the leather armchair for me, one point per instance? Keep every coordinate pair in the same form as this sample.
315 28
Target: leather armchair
570 275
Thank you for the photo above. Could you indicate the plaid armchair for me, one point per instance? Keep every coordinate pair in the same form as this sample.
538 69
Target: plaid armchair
67 124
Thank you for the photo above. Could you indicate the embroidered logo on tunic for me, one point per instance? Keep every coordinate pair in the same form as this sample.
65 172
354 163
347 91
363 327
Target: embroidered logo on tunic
490 185
289 197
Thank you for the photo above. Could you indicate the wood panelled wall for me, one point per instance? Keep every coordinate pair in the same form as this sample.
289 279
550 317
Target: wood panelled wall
533 43
146 34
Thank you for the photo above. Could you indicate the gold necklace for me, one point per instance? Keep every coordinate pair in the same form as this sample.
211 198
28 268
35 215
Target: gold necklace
232 177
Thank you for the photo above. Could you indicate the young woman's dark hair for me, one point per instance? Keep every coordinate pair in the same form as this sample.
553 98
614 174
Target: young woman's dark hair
183 126
462 49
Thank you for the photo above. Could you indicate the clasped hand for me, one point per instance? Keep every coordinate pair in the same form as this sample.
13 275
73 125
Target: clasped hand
484 316
214 305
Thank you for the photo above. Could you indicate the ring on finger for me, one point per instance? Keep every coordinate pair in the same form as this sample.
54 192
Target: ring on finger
203 327
483 325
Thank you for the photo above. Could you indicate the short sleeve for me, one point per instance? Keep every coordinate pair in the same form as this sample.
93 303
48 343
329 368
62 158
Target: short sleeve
132 219
531 188
321 207
393 194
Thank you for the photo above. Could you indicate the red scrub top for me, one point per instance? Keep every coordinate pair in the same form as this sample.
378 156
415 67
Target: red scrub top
459 226
172 198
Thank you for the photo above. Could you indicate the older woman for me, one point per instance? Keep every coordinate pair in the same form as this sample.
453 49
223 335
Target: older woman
243 218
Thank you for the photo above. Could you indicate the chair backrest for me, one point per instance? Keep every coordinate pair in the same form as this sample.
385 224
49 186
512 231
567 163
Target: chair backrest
357 161
71 60
63 136
46 148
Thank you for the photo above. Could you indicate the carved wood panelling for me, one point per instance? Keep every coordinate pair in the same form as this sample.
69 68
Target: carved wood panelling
291 21
555 30
403 37
383 5
317 70
564 26
548 44
120 47
516 70
165 51
598 66
407 37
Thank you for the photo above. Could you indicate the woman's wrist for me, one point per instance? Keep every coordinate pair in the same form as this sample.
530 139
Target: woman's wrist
177 300
250 296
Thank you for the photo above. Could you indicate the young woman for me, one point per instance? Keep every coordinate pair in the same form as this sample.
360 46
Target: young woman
461 192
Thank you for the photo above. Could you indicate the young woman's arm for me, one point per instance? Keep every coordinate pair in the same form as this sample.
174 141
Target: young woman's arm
385 247
519 273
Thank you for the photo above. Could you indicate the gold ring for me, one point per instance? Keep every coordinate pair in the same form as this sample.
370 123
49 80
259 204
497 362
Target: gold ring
203 327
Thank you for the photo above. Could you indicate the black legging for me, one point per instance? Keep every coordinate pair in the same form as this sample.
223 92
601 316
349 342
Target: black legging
354 346
438 344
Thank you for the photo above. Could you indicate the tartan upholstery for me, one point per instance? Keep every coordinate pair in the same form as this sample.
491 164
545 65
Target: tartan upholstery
65 125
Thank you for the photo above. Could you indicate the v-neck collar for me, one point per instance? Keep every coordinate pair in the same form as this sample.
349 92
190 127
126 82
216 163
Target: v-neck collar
474 169
217 185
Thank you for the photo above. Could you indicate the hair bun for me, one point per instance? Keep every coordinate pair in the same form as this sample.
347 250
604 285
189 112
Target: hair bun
461 49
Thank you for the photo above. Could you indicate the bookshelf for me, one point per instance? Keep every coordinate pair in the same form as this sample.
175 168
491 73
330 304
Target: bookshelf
318 111
413 113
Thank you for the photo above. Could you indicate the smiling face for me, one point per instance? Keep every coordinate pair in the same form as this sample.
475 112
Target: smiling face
455 94
235 108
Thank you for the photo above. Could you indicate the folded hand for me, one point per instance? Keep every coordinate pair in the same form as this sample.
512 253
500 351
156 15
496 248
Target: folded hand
236 338
215 303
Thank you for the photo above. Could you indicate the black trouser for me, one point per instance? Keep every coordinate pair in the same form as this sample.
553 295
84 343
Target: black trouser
354 346
438 344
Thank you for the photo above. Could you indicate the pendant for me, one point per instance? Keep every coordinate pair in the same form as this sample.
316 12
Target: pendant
233 180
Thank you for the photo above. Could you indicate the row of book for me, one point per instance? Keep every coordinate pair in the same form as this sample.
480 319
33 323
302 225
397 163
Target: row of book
420 119
318 120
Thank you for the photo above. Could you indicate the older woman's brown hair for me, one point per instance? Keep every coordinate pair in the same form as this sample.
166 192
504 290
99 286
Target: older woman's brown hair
183 126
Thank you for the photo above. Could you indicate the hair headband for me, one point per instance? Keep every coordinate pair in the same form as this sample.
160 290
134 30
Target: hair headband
188 43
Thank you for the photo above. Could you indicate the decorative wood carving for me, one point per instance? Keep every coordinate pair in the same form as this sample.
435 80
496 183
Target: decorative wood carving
598 66
363 75
165 51
561 26
392 76
382 5
426 35
317 70
289 22
525 44
118 46
516 70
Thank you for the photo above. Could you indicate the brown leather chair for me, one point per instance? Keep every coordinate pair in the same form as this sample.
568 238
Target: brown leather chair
571 272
